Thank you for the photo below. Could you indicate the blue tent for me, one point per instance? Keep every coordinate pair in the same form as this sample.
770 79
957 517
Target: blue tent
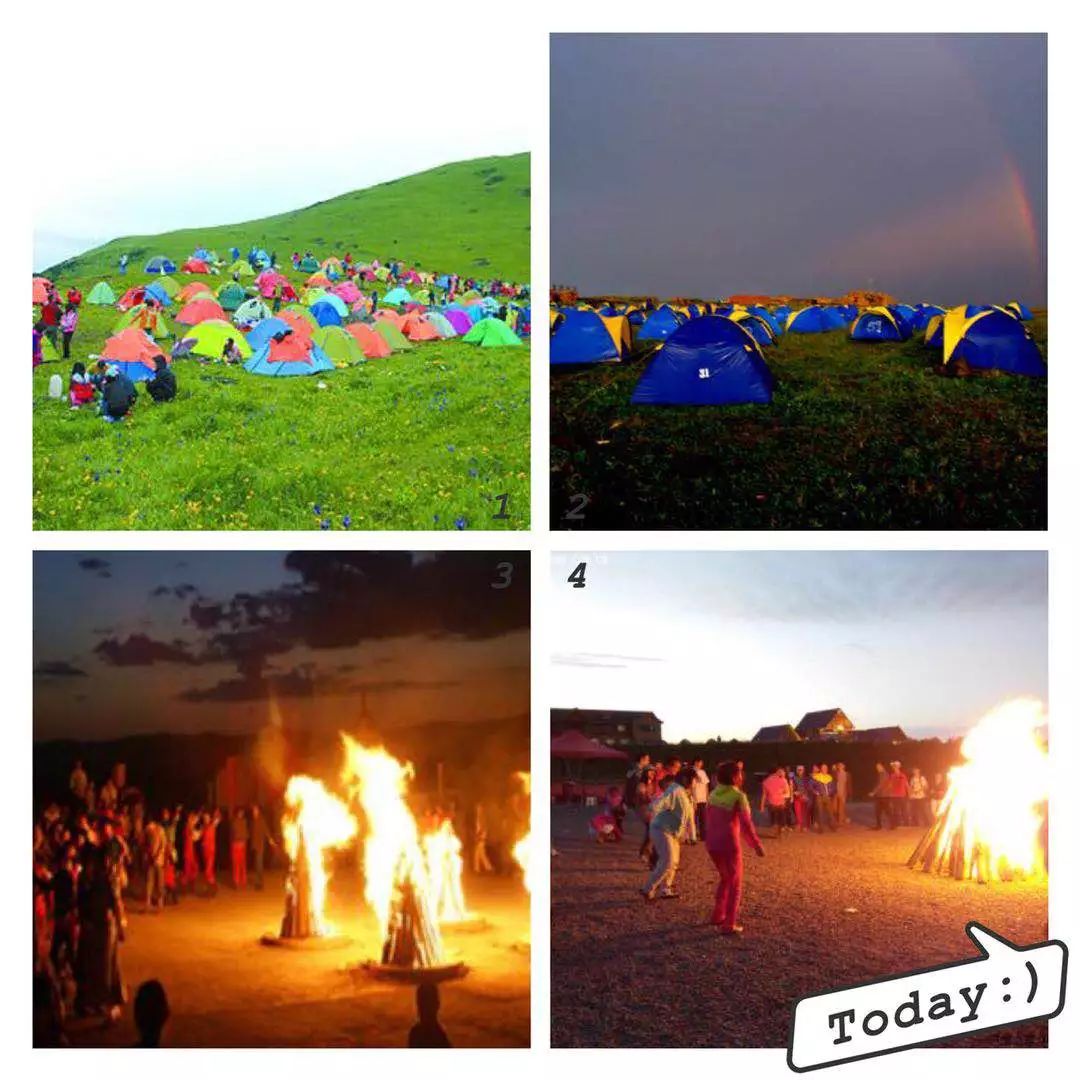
234 253
265 329
157 291
707 361
755 326
775 323
398 296
923 314
813 320
880 324
309 264
325 314
1022 311
160 264
261 364
994 339
582 338
661 324
201 253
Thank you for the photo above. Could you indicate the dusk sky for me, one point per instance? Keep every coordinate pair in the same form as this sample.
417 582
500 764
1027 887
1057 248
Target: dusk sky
719 644
186 642
807 165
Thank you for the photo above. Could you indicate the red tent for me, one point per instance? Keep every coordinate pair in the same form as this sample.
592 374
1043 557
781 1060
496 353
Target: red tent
573 745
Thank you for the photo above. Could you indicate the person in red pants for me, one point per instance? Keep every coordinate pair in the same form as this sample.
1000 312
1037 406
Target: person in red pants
800 790
238 845
728 821
190 873
210 823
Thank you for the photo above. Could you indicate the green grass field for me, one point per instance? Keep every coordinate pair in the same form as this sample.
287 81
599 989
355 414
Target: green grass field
858 436
424 439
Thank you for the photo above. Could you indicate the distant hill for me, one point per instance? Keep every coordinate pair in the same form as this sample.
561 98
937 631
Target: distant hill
468 217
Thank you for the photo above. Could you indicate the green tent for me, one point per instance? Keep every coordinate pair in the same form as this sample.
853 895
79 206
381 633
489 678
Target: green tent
231 295
241 268
146 319
101 294
170 285
339 345
491 333
250 311
392 336
209 339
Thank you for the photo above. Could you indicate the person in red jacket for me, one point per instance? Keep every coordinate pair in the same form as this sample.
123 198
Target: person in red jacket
896 795
190 873
210 823
728 821
74 297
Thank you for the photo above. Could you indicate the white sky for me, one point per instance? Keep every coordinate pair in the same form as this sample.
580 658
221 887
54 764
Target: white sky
719 644
208 114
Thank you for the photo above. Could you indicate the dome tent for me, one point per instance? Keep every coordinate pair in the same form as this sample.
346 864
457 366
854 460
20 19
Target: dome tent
197 311
879 324
1021 311
192 290
293 355
661 324
339 345
150 320
309 264
584 337
991 339
813 320
209 337
397 297
251 311
491 333
374 345
708 361
101 295
155 291
133 353
757 327
231 295
160 264
265 329
935 332
325 314
392 336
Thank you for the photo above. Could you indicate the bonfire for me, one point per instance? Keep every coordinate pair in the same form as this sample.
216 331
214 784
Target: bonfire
523 848
991 823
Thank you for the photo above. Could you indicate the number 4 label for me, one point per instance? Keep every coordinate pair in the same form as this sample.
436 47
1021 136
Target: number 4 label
577 577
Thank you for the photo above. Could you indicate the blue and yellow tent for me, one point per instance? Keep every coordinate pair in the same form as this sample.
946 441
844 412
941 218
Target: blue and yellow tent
991 339
879 324
586 337
661 324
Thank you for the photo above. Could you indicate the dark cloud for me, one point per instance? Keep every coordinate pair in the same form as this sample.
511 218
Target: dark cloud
58 669
181 592
99 567
303 681
140 650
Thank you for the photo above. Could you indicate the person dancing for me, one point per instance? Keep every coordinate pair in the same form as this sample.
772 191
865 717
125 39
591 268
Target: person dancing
728 820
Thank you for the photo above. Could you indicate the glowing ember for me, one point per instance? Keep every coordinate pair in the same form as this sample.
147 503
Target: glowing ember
313 825
396 879
523 848
990 823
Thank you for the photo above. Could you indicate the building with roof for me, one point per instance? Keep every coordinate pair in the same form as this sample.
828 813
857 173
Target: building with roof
613 727
824 724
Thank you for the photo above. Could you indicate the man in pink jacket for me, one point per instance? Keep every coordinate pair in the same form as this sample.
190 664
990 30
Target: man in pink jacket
728 821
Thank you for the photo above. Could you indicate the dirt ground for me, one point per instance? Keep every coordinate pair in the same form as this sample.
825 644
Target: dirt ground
820 911
226 989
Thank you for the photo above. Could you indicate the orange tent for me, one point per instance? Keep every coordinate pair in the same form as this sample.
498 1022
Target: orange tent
416 328
193 289
197 311
130 346
41 286
391 317
318 280
196 266
301 328
374 345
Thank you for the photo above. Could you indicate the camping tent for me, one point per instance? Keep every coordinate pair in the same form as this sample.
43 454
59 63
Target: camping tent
293 355
813 320
265 329
574 746
231 295
250 312
196 266
326 314
879 324
392 336
991 339
41 289
101 294
196 311
240 268
397 297
585 337
442 324
309 264
154 291
709 361
132 352
661 324
192 290
160 264
491 333
209 337
339 345
373 345
1021 311
757 327
150 320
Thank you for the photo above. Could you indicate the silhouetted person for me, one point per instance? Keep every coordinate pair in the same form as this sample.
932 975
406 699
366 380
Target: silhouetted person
151 1013
427 1033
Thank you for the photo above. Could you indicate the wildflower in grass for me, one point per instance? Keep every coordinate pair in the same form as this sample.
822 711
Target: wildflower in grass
317 508
325 523
450 448
346 521
460 523
473 472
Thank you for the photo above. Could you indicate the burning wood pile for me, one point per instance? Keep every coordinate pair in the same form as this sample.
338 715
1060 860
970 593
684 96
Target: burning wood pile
991 825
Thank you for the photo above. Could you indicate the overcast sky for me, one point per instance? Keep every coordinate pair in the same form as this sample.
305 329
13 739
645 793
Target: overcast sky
719 644
707 165
236 115
141 642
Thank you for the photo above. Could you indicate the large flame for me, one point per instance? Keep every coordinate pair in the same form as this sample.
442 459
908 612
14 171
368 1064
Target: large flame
314 823
442 855
522 850
993 810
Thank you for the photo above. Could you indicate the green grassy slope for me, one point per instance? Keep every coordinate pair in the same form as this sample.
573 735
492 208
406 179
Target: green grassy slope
858 436
468 217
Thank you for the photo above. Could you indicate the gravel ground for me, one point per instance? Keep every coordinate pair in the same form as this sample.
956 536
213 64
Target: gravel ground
227 990
626 973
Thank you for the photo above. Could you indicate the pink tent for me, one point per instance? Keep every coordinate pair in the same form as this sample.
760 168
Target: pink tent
348 292
574 746
459 321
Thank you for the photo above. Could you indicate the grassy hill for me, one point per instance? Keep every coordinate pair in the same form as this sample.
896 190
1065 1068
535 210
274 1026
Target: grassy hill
468 217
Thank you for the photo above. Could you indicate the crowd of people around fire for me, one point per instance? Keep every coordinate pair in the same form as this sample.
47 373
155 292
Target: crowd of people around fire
676 803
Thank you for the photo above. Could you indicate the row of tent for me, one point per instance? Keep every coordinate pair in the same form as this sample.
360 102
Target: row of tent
717 357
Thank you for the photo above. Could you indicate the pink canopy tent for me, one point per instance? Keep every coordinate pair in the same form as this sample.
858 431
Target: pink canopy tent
574 746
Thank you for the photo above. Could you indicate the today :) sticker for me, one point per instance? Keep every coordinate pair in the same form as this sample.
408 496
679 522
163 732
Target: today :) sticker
1007 985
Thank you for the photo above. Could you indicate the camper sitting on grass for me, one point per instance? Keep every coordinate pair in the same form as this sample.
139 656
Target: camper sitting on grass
117 395
162 387
80 388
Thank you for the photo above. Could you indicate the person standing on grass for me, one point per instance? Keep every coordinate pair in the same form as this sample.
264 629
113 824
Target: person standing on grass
50 317
699 792
123 263
775 797
671 815
729 823
238 845
918 799
800 791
